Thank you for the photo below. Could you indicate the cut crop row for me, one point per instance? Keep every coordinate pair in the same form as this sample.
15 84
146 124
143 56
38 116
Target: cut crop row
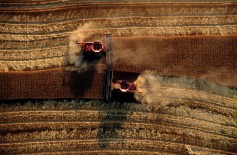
73 115
86 115
113 9
51 83
135 31
36 64
136 21
35 54
162 133
127 144
184 123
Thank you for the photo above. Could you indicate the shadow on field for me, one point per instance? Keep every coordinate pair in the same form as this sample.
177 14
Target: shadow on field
80 82
82 74
111 124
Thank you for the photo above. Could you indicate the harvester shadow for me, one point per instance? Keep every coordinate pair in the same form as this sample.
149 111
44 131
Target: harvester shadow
80 82
82 76
111 125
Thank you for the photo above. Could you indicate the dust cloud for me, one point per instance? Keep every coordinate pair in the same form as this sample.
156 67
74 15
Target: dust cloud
78 35
75 56
163 90
149 85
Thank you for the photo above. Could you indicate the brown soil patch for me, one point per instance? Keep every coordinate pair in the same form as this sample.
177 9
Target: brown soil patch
51 83
213 58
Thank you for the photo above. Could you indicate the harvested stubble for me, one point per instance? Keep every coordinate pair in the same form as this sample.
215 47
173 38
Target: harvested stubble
95 126
113 9
51 83
209 57
137 21
51 25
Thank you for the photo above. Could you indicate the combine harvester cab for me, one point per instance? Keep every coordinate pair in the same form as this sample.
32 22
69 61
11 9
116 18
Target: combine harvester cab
124 86
118 86
96 48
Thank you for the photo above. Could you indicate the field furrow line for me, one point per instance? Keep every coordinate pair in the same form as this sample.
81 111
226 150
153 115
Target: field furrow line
36 54
37 64
206 106
199 96
108 151
74 115
120 10
136 31
73 5
191 104
53 125
31 45
97 144
177 135
31 28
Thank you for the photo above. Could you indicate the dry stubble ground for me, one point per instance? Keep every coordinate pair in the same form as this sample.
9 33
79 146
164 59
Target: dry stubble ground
195 121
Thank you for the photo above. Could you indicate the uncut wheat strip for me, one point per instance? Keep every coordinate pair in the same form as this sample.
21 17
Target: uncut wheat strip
31 45
185 123
126 144
198 95
191 150
29 116
163 133
136 31
34 2
127 9
73 114
108 151
63 41
102 106
33 64
29 2
204 106
200 114
33 54
17 116
42 28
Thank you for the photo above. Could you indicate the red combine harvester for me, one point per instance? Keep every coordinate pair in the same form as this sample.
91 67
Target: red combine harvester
93 48
117 85
125 86
122 86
